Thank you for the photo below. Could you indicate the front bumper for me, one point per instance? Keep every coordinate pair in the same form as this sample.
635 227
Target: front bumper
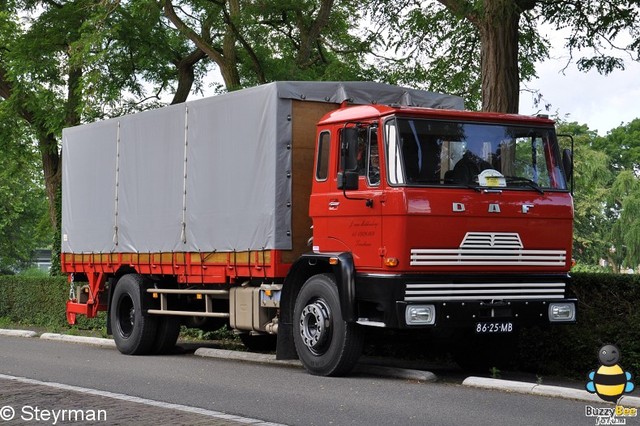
462 301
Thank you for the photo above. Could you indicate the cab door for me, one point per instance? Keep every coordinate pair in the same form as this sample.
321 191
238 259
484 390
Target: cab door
349 220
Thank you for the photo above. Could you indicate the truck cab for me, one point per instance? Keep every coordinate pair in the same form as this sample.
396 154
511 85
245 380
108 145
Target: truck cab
454 220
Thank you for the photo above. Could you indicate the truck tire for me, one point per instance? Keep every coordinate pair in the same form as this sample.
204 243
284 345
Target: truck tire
133 332
167 335
326 344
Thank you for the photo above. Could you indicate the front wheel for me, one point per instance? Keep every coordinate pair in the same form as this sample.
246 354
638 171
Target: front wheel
326 344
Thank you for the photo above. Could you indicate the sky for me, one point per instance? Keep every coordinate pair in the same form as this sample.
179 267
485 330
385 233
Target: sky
599 101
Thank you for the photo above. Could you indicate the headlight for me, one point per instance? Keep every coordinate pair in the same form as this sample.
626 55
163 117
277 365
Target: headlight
420 315
562 312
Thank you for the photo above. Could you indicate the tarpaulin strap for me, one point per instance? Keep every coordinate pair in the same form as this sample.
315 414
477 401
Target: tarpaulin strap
264 268
235 263
201 268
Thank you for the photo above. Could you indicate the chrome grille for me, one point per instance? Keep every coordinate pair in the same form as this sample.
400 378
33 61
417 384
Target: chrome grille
419 292
488 249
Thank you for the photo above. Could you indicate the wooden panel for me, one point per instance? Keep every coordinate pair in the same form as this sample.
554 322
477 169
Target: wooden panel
305 117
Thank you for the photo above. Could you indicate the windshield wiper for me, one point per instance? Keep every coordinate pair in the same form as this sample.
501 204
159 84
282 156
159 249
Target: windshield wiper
448 181
526 181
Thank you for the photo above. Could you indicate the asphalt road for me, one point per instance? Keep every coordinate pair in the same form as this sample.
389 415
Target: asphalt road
280 394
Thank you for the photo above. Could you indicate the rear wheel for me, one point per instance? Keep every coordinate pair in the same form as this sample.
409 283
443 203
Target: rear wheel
133 332
326 344
167 335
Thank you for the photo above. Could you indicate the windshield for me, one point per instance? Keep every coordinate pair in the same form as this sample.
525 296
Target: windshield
428 152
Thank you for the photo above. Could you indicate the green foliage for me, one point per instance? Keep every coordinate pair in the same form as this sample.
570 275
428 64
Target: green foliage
38 300
24 224
607 195
258 42
622 145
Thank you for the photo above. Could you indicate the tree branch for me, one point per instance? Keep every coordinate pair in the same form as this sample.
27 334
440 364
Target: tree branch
199 41
463 8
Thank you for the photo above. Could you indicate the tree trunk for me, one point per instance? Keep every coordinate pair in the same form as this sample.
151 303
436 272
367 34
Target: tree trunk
186 75
51 165
498 28
225 56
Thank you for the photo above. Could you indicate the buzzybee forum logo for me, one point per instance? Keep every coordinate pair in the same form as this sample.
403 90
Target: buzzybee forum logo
609 381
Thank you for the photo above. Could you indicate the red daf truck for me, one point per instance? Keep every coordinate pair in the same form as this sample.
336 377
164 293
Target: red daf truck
311 211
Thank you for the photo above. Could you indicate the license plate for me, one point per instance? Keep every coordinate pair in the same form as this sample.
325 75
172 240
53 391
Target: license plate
494 327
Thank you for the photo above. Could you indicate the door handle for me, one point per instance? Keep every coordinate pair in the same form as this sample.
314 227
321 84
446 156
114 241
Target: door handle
333 205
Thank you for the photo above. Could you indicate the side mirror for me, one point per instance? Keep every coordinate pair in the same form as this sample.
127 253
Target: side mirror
349 149
567 163
348 180
348 176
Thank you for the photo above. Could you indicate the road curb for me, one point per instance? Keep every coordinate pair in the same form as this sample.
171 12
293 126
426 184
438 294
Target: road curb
17 333
96 341
245 356
544 390
377 370
396 373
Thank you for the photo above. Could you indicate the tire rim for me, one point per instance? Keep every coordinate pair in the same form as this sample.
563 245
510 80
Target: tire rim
126 316
315 326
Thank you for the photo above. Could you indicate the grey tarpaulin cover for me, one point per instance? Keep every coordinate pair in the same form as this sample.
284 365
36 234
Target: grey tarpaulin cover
206 175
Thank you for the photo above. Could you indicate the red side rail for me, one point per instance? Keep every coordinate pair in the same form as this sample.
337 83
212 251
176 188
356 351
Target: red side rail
188 268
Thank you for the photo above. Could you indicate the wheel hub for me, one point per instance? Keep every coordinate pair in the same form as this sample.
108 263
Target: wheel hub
315 325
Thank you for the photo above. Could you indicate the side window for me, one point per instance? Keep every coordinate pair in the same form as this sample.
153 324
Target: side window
322 163
373 164
368 157
362 151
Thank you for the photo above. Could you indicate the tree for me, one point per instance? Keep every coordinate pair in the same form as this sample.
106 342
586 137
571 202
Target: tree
257 42
63 63
625 206
607 196
622 145
24 224
502 36
592 177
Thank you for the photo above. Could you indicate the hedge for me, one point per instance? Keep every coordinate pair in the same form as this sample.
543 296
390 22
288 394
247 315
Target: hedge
39 301
607 313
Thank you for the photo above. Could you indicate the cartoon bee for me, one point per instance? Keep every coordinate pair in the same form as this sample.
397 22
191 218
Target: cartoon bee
610 381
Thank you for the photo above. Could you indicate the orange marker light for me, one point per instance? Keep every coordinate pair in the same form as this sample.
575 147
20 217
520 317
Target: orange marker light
391 262
333 261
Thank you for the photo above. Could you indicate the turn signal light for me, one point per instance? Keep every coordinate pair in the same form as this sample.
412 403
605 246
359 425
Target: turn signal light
333 261
391 262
